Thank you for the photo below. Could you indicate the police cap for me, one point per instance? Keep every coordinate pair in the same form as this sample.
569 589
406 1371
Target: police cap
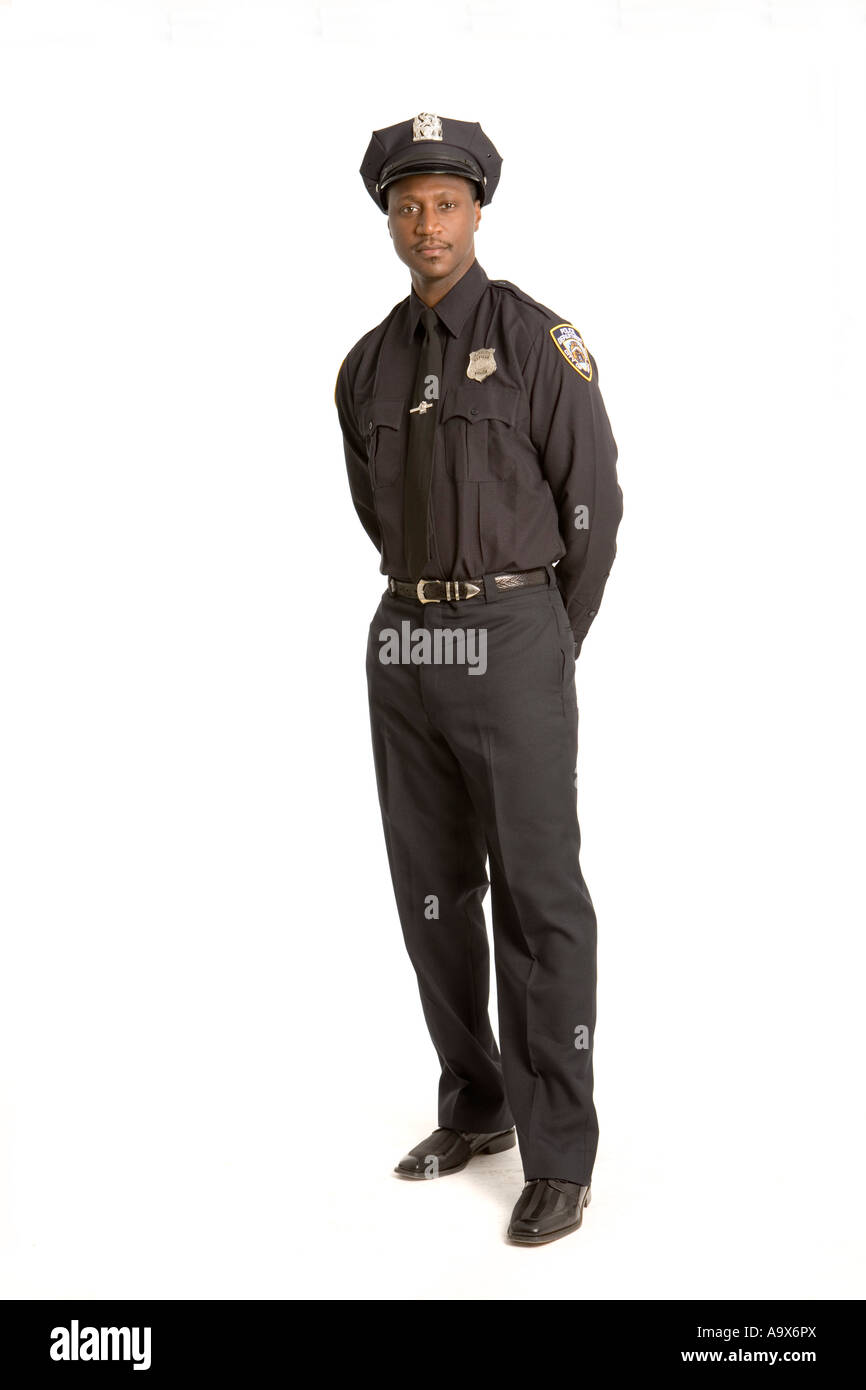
430 145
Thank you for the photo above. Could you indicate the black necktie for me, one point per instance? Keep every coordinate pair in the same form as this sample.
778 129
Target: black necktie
423 411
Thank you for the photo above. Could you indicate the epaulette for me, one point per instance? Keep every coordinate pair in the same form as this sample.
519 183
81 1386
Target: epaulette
524 297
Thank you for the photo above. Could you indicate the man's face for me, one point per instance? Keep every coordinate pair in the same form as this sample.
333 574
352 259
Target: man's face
432 219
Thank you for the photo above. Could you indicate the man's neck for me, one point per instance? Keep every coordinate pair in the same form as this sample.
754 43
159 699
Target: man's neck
431 291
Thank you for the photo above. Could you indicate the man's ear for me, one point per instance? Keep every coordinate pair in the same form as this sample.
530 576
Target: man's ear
477 215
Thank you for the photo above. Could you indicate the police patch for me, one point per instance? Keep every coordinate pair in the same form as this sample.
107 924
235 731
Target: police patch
573 348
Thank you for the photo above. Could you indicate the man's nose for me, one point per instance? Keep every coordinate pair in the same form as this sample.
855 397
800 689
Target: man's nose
428 222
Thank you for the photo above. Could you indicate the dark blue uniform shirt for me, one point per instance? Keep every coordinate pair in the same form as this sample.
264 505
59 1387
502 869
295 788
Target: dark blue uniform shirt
524 465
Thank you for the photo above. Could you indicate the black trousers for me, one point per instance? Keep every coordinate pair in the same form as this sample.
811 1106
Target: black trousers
479 765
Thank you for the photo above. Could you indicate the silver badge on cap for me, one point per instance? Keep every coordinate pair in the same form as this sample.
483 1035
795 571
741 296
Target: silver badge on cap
481 364
426 127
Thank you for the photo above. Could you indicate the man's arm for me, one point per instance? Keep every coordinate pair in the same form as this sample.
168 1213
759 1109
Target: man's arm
570 429
356 458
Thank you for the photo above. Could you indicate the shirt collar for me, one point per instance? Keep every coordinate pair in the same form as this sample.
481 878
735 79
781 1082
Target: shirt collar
455 307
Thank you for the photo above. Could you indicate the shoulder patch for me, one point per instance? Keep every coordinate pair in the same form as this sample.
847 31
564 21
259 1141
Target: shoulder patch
573 348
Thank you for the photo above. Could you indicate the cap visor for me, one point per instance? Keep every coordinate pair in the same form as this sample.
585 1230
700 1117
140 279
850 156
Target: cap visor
445 160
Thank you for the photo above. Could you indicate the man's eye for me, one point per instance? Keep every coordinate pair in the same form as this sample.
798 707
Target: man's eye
449 205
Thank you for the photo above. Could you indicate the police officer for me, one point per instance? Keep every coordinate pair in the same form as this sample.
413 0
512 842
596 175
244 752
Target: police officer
482 466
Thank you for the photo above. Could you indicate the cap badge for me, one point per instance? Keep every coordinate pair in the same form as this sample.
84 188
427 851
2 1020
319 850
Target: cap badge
573 348
481 364
426 127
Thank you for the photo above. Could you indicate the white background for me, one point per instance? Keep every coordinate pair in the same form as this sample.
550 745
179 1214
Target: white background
213 1050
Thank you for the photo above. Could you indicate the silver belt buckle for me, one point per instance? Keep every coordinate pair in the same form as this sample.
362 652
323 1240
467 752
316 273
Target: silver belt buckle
452 590
418 590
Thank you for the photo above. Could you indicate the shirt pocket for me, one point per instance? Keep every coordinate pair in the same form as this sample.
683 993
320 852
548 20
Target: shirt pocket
382 423
480 436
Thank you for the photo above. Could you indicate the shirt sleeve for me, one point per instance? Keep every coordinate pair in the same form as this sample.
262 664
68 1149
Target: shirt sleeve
355 450
570 429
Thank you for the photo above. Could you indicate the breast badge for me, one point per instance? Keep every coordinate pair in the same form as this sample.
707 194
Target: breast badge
481 364
573 349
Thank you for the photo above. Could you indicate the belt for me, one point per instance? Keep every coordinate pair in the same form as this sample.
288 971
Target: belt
454 589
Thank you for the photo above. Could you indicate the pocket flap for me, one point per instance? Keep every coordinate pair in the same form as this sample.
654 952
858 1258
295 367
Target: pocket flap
482 400
382 411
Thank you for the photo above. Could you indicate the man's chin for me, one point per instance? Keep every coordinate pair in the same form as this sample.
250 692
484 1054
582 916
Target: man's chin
434 267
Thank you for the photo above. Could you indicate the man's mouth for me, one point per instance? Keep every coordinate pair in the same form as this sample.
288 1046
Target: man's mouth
430 250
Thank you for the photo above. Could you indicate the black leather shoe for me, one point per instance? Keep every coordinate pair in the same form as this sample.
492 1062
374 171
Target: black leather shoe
448 1151
546 1209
